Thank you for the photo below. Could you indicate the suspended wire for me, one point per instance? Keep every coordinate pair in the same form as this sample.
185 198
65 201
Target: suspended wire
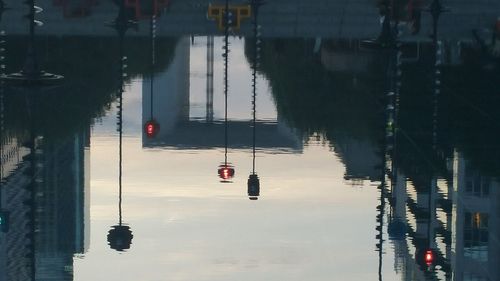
122 76
210 80
437 91
2 109
32 56
390 116
153 61
120 236
256 57
120 171
226 84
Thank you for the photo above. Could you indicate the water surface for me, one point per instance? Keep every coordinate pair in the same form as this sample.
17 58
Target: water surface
324 140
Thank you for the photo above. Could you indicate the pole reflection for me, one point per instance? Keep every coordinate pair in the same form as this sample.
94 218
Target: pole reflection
44 189
432 136
31 73
226 170
120 236
253 183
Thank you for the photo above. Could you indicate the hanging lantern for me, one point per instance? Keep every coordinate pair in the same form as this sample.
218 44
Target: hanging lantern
120 237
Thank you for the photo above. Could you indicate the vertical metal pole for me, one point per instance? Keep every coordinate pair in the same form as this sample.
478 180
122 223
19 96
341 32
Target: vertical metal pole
210 80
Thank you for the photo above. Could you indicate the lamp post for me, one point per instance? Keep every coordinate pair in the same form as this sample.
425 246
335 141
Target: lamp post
152 127
4 215
253 183
31 73
226 170
120 236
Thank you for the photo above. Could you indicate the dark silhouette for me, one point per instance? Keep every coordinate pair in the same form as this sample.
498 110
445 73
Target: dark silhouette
152 127
120 236
253 183
226 170
32 74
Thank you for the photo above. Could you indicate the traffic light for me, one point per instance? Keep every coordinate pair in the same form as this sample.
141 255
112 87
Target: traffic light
4 221
429 257
253 184
226 172
426 258
151 128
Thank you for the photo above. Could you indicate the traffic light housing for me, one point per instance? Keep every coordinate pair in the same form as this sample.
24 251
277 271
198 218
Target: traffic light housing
426 258
226 172
151 128
253 185
429 257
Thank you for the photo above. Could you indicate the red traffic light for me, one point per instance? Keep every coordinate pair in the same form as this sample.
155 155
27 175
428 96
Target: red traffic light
151 128
226 172
429 257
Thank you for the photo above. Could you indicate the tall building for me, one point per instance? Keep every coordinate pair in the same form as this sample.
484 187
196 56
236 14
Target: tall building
477 224
46 196
13 194
459 220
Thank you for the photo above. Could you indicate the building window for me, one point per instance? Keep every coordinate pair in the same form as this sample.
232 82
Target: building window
476 185
476 236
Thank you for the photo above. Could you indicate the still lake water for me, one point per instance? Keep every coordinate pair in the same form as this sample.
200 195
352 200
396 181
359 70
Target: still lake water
327 140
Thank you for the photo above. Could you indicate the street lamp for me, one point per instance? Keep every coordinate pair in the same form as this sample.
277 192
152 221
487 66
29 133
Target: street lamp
226 170
31 73
120 236
253 183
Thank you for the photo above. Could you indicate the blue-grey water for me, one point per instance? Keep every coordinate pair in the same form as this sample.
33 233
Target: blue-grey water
284 140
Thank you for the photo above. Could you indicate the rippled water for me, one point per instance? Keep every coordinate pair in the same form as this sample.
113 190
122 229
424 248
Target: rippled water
324 140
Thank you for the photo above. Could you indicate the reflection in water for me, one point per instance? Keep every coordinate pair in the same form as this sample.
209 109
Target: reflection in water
415 114
120 236
253 184
226 170
44 191
31 72
152 127
76 8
